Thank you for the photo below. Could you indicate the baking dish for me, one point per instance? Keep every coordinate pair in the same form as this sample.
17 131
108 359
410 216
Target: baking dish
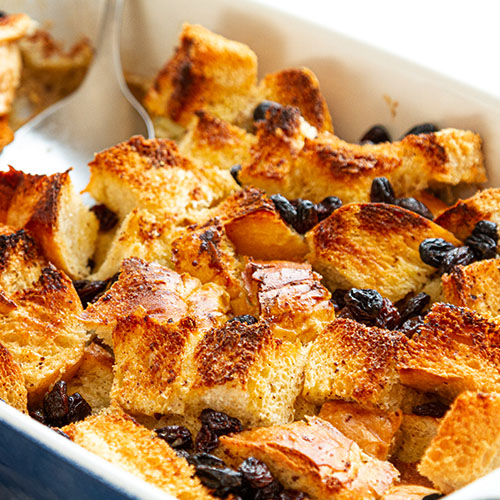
362 85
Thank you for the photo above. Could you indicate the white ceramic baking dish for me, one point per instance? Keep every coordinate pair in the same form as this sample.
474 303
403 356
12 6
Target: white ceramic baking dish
363 86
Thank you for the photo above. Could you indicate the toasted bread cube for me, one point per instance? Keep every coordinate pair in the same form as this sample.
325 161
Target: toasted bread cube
461 218
142 234
416 434
467 444
216 142
298 87
120 440
53 212
373 245
12 388
206 72
373 430
474 286
245 371
161 292
257 230
313 457
291 296
454 350
329 166
410 492
43 333
354 362
94 377
152 174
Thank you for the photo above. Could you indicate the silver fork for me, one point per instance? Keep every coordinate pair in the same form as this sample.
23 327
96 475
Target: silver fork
99 114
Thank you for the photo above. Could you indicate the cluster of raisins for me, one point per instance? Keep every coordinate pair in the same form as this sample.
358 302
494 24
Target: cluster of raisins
480 245
381 192
90 291
251 481
378 133
60 409
370 308
303 215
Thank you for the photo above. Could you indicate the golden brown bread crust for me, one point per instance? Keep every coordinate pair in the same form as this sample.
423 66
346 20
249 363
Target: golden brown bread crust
373 245
454 350
313 457
6 134
291 296
373 430
474 286
123 442
354 362
461 218
12 388
467 443
409 492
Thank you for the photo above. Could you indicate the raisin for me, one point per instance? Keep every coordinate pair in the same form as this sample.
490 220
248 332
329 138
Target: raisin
423 128
460 256
235 171
221 480
270 492
206 440
89 290
433 496
376 135
338 299
56 405
433 409
482 245
106 217
411 326
79 409
292 495
213 425
388 316
381 191
61 433
433 251
39 416
327 206
287 211
415 206
488 228
307 217
260 111
413 306
245 318
363 304
177 436
206 459
3 14
182 453
256 473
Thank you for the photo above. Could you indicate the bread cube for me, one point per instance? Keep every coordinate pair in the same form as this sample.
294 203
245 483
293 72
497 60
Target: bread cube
467 443
453 351
474 286
120 440
354 362
373 245
12 388
291 296
313 457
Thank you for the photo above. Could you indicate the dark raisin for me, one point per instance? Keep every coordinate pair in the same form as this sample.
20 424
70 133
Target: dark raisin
381 191
433 251
235 171
327 206
88 290
414 205
307 217
423 128
256 473
213 425
260 111
460 256
388 316
3 14
433 409
363 304
376 135
39 416
285 208
79 409
292 495
56 405
221 480
61 433
206 459
182 453
433 496
245 318
482 245
206 440
411 326
488 228
338 299
177 436
413 306
271 492
106 217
